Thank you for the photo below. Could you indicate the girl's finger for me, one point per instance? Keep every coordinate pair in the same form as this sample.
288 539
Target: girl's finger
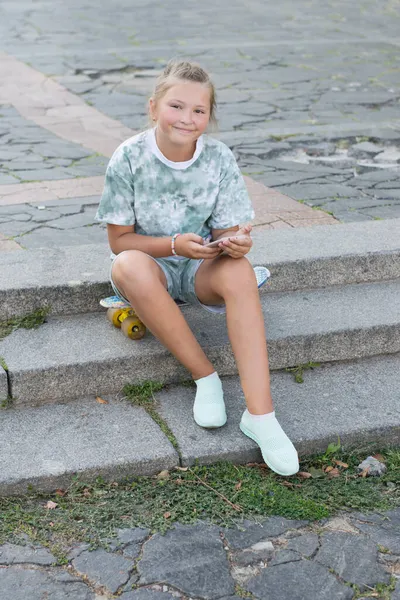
247 242
233 253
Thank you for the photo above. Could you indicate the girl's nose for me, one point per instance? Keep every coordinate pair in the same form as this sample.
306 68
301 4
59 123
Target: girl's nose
186 117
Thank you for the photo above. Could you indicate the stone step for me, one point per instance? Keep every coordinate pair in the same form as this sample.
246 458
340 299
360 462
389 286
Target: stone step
73 356
357 401
72 279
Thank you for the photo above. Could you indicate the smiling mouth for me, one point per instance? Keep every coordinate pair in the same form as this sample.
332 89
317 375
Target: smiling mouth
184 130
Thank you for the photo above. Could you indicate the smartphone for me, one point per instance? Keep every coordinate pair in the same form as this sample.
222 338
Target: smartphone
216 242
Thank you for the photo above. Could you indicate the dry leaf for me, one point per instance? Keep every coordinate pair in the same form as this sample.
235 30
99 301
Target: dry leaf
50 504
259 465
291 485
51 524
100 400
334 473
163 475
379 457
182 468
328 469
86 493
339 463
238 485
304 475
167 515
365 472
60 492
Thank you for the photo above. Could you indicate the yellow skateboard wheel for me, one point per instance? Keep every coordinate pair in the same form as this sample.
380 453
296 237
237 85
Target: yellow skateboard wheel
133 328
113 315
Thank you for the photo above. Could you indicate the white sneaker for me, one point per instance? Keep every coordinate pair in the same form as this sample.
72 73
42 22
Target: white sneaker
277 450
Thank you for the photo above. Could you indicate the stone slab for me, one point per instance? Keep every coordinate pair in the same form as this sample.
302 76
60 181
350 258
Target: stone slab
321 256
181 557
68 280
384 529
11 554
6 245
73 279
110 440
48 191
103 568
310 580
58 585
353 557
85 354
334 400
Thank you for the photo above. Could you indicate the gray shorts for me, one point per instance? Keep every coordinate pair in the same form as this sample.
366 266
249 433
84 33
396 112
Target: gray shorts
180 275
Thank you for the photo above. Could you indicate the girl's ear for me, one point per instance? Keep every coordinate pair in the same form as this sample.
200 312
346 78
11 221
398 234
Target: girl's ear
152 109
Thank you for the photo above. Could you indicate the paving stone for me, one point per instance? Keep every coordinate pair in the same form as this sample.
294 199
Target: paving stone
147 594
16 228
57 585
74 221
261 551
103 569
6 179
130 536
11 554
383 529
44 175
50 237
183 556
396 593
310 580
284 556
249 532
306 544
352 557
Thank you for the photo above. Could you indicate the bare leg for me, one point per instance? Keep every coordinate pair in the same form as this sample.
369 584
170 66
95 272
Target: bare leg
143 283
232 281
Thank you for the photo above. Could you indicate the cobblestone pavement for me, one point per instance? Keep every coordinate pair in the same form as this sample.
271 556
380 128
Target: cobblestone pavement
308 92
273 559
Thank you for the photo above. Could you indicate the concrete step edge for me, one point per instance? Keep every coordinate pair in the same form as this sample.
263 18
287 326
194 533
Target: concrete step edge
72 280
84 354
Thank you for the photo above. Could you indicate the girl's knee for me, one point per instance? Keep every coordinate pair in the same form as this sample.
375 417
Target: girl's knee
134 266
237 276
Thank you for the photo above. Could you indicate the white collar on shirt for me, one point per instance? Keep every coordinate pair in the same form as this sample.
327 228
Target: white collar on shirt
152 144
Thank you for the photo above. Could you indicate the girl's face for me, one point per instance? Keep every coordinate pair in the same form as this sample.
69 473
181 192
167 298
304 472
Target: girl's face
183 113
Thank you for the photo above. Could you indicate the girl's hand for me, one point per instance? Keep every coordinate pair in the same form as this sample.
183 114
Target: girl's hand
237 247
190 245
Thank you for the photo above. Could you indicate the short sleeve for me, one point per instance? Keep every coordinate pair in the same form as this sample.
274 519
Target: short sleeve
117 204
233 204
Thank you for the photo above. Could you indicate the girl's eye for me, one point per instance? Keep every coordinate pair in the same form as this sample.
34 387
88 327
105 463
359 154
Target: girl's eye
175 106
200 111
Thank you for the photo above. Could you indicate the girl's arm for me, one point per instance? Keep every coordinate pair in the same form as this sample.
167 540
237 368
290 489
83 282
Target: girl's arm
122 237
190 245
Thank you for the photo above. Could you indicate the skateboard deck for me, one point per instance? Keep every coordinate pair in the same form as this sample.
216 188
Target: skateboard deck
123 316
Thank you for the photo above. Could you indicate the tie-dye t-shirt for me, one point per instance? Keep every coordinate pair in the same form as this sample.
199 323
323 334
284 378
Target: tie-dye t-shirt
161 197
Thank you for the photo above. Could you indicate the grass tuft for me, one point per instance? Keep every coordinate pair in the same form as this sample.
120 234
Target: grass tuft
143 395
29 321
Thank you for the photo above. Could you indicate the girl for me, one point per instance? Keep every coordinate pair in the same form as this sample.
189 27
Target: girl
168 191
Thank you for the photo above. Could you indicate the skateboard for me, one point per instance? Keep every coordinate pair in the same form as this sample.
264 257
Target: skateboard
122 315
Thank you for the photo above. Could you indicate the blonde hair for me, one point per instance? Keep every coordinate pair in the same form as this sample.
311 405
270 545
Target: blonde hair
176 71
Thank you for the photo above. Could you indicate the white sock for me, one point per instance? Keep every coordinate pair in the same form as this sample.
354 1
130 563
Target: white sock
209 386
261 418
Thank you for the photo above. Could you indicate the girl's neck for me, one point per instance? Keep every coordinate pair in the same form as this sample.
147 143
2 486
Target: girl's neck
173 152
